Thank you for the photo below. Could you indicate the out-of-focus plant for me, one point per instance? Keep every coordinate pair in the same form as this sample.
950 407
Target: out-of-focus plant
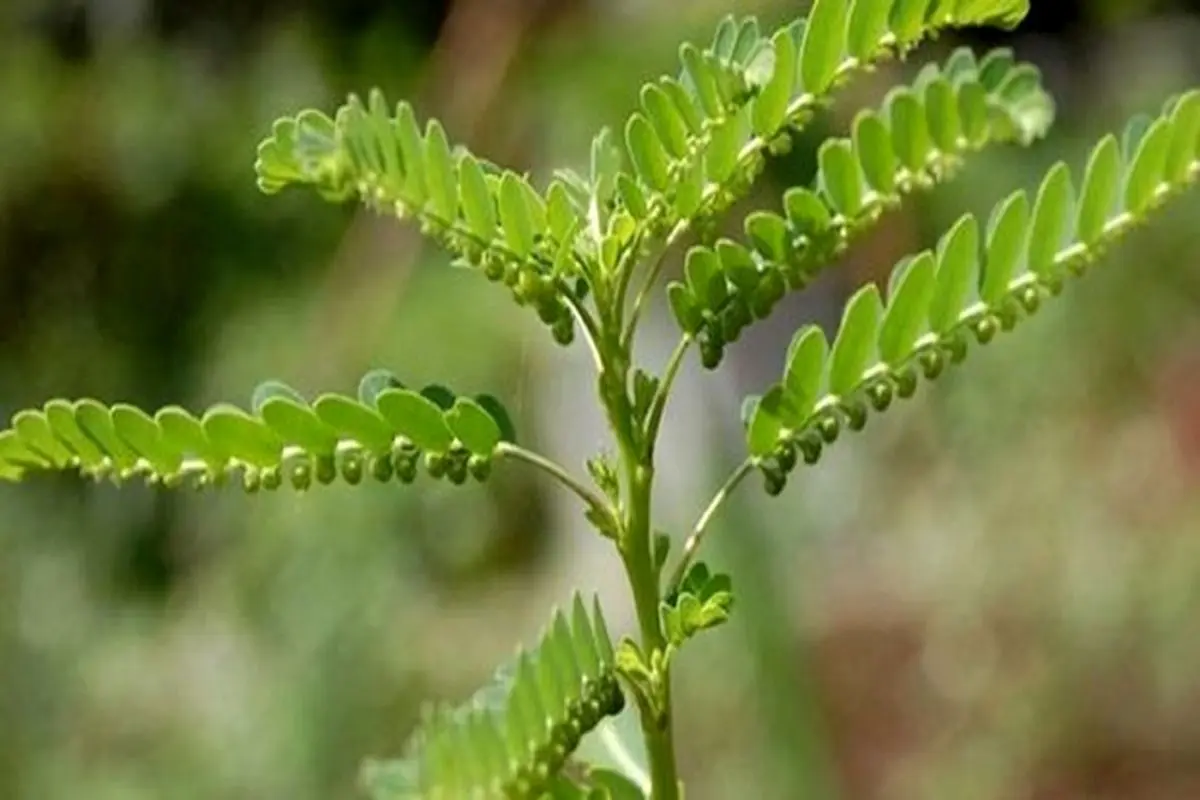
585 253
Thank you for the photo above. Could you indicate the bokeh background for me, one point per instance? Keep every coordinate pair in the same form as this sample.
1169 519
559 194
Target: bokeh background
992 594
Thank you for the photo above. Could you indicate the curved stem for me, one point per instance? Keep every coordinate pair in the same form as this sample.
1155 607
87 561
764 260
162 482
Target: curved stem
591 331
659 404
651 279
554 470
697 536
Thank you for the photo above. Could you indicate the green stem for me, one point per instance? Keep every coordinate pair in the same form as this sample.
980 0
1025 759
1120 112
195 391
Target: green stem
697 536
554 470
637 553
659 404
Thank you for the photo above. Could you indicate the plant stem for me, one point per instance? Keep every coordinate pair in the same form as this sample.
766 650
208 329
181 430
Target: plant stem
554 470
659 404
697 536
636 551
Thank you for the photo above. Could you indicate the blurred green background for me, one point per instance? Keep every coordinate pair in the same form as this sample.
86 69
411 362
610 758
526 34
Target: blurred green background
991 594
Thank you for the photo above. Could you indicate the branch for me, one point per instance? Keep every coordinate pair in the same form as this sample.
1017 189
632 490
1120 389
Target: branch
697 536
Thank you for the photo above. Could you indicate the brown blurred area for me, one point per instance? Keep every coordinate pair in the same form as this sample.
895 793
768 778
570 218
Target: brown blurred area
990 594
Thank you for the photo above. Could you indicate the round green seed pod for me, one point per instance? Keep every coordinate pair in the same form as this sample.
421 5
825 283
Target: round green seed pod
326 469
957 348
563 330
881 395
436 464
785 455
906 383
382 468
512 274
352 467
300 474
493 268
986 329
548 310
1031 300
933 363
811 447
251 480
711 354
456 470
774 481
829 427
856 414
271 478
480 467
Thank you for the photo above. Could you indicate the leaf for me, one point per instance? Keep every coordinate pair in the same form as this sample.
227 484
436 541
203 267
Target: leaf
242 436
806 213
36 434
417 419
412 153
685 308
854 347
297 424
499 413
474 427
908 20
61 416
841 176
705 277
766 424
771 105
145 437
873 147
666 118
724 143
910 131
515 216
941 115
702 79
805 369
355 421
1184 149
181 427
479 208
1098 196
823 46
958 266
647 153
96 421
440 174
1051 212
907 310
769 235
867 27
1147 167
1006 243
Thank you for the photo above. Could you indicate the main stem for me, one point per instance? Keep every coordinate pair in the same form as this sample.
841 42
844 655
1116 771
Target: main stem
637 552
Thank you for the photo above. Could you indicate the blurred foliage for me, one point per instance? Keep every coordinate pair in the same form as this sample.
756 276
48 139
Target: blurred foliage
989 594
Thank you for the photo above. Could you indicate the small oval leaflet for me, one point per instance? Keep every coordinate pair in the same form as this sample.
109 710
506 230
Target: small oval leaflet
416 418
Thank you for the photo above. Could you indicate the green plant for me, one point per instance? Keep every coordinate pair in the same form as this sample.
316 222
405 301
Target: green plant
585 253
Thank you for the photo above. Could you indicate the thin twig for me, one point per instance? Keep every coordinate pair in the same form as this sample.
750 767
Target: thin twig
651 279
554 470
659 404
697 536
